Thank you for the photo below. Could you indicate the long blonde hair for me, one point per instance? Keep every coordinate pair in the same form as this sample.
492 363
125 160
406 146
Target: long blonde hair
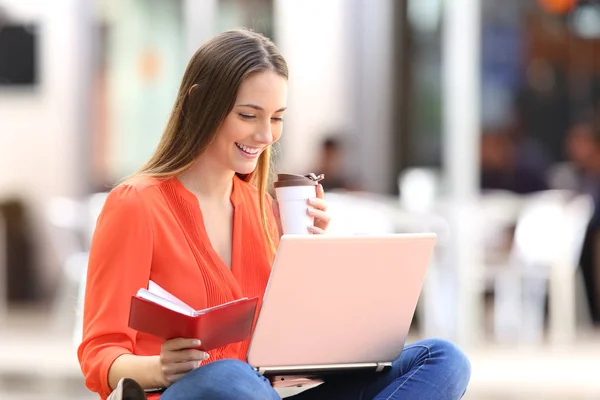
216 71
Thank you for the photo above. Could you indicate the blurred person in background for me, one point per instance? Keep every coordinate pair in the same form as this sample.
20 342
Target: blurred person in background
331 164
197 220
506 163
581 174
511 159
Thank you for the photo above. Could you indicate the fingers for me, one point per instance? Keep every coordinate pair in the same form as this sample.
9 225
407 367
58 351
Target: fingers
322 219
181 356
318 210
315 230
169 370
320 191
318 203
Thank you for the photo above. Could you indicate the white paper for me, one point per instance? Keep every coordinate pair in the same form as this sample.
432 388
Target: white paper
158 295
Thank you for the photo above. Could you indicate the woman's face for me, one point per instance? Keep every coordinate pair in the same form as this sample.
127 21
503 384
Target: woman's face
255 122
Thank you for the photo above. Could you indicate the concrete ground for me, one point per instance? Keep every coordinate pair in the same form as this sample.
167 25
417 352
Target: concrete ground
37 363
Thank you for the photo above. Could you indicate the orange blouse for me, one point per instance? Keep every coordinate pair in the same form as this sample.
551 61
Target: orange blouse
153 229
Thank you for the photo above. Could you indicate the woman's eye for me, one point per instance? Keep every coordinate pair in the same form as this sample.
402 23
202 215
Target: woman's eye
247 116
277 119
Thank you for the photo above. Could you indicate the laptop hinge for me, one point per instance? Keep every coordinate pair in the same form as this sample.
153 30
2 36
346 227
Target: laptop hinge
383 366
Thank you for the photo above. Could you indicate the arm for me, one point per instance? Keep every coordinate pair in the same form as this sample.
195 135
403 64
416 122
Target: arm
177 357
145 370
119 264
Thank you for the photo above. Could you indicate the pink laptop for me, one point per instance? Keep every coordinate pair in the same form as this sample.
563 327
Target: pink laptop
339 303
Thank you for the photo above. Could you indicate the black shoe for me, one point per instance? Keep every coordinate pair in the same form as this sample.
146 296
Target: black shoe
128 389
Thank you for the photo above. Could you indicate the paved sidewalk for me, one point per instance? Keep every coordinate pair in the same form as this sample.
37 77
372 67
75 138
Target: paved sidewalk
38 364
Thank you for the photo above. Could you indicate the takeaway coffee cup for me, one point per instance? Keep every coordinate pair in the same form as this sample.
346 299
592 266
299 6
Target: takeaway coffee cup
292 192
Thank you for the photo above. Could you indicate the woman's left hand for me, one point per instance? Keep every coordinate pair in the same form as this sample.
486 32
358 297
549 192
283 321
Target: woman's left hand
318 209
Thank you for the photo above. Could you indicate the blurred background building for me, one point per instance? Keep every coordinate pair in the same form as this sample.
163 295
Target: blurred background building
476 119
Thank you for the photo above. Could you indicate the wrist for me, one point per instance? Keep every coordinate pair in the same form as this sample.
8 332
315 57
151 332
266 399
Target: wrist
158 378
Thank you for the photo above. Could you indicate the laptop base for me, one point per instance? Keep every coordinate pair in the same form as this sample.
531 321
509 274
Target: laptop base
322 370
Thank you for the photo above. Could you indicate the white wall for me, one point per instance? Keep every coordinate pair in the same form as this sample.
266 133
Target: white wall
372 27
312 36
39 133
461 77
38 127
200 23
340 58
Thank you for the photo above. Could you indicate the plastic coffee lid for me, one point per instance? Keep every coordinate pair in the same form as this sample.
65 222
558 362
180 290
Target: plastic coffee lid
287 180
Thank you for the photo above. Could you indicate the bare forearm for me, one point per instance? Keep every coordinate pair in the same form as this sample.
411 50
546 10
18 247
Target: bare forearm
143 369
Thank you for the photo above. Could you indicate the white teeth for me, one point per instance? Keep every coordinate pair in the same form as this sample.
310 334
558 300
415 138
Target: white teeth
247 149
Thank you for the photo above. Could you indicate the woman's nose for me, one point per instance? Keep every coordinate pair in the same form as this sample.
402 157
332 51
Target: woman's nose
265 134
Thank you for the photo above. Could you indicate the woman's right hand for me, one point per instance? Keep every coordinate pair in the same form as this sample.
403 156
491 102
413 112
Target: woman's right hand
178 357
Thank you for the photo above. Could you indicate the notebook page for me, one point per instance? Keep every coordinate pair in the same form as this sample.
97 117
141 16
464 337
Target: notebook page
157 290
146 295
200 312
159 295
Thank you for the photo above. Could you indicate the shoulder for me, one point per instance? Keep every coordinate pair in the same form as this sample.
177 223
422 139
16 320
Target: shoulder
134 194
139 184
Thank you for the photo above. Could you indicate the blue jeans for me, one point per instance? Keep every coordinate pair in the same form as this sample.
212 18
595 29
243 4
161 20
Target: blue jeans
429 369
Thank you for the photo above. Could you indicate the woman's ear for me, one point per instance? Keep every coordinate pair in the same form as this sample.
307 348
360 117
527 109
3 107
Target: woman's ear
194 86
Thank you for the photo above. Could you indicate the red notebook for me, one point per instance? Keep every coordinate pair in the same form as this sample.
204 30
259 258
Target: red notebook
158 313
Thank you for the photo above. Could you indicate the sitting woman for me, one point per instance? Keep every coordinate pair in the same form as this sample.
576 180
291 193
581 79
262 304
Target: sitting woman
198 221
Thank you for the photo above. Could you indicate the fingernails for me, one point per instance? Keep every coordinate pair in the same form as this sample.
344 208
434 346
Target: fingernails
196 342
206 356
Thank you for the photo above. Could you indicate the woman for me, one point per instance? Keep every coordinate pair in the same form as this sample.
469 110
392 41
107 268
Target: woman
198 221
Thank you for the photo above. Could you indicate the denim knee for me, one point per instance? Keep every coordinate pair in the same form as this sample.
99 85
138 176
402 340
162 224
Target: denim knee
456 364
222 380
